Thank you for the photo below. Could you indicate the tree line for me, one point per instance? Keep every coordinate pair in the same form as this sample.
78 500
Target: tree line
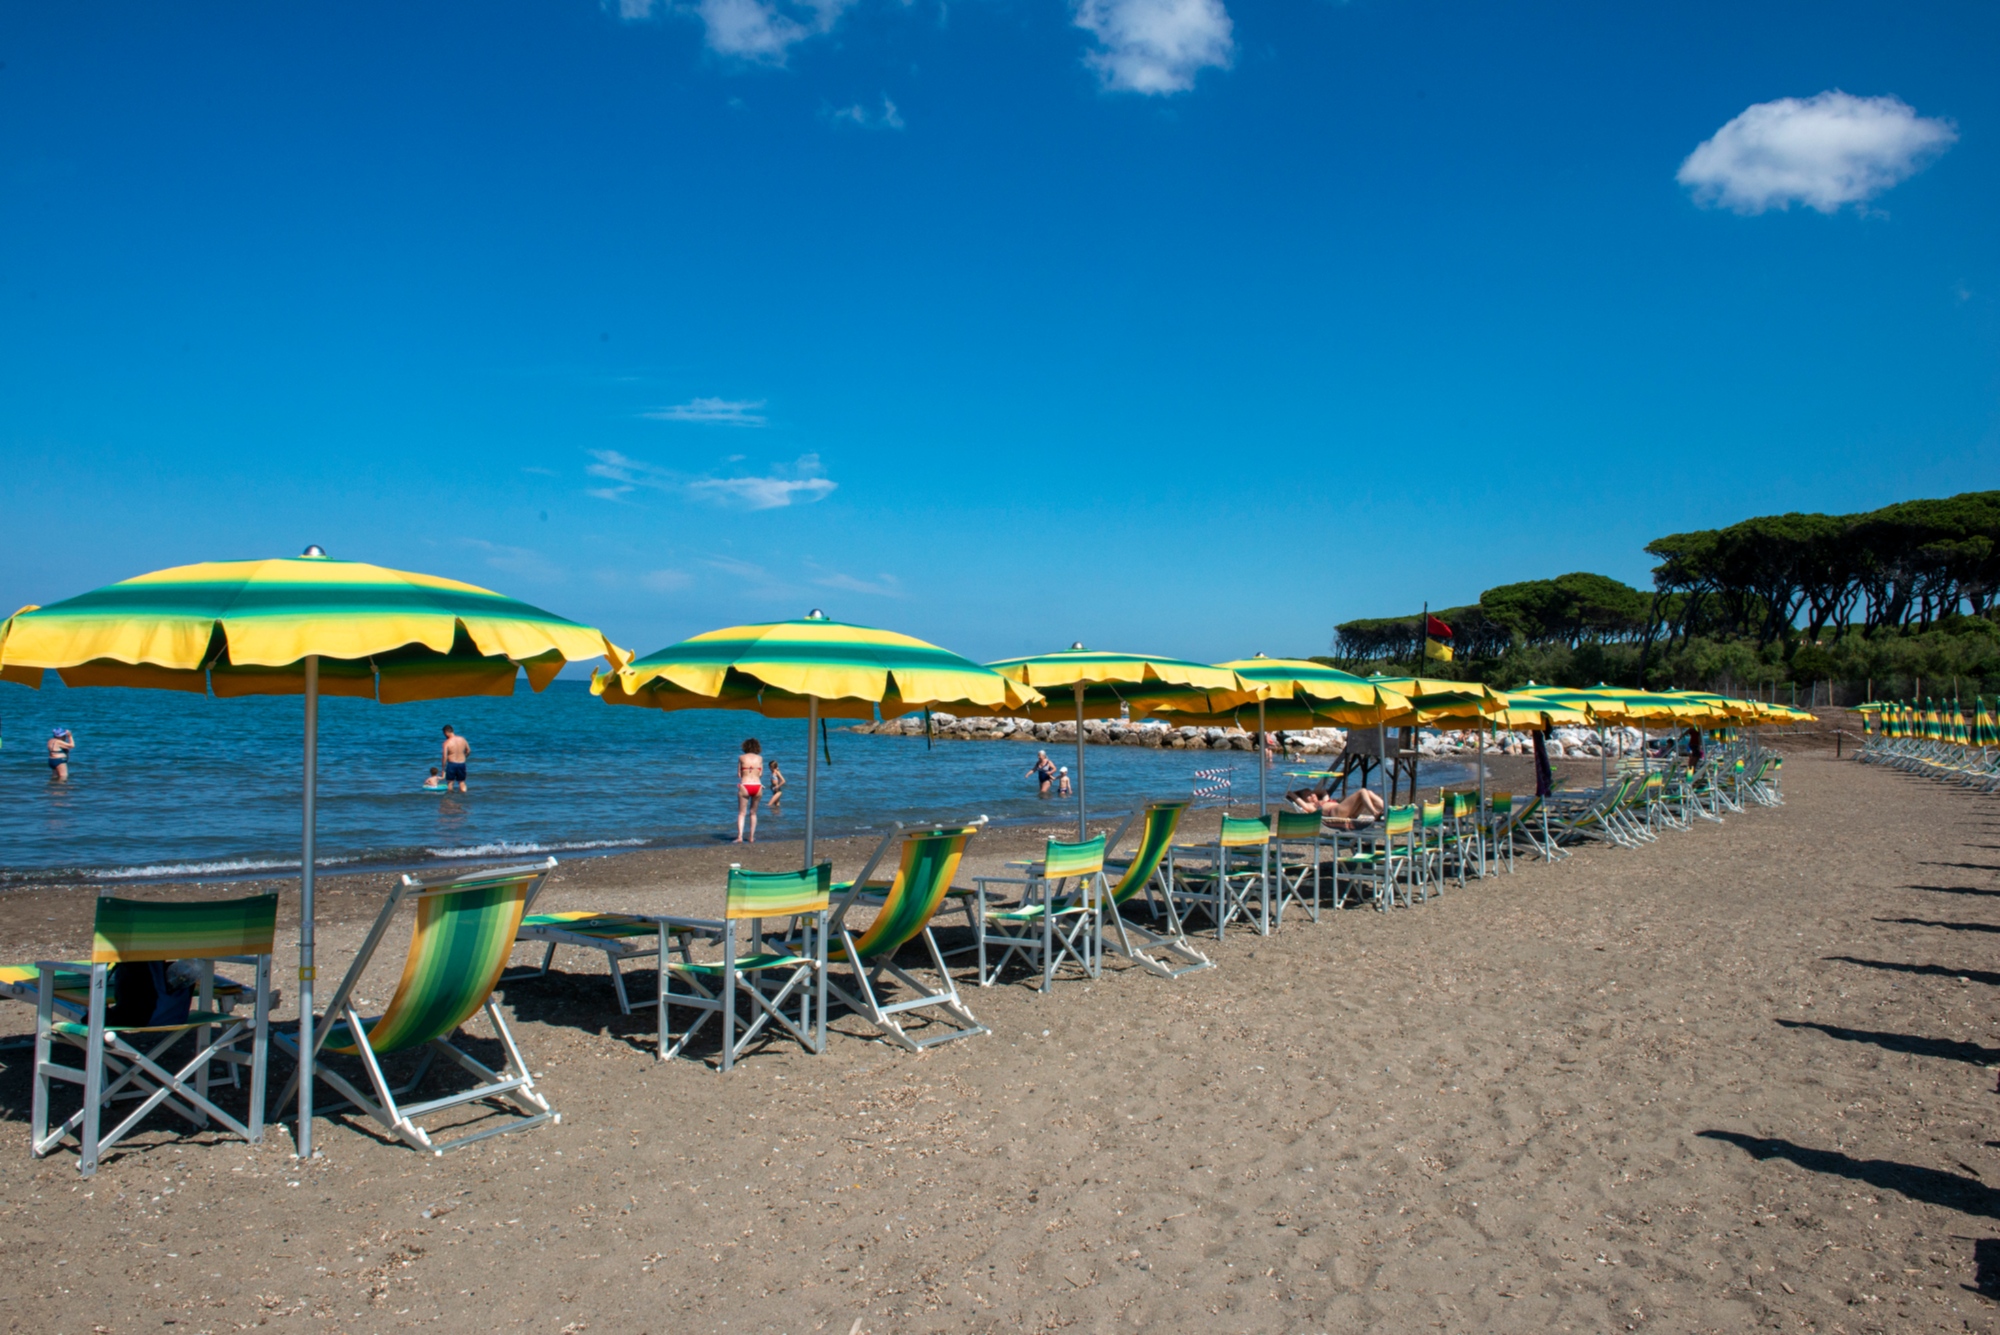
1892 595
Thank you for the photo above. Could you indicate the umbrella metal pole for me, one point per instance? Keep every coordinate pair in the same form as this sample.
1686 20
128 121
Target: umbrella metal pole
1080 835
1381 757
303 1139
812 771
1603 758
1263 764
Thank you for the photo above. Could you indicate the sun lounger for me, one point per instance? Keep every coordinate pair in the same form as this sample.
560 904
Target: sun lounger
1143 884
464 931
118 1057
622 938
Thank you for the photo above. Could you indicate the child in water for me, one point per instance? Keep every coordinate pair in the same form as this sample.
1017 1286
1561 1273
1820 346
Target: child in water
436 782
1062 782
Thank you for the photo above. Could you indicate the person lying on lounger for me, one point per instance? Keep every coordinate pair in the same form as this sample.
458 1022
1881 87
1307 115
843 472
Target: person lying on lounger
1361 807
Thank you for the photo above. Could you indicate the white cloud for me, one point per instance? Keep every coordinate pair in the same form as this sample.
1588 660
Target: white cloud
666 581
1822 152
727 412
1155 46
762 32
867 118
801 482
882 586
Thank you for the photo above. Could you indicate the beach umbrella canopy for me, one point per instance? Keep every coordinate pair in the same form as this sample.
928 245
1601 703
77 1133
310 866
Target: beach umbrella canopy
1435 700
1522 712
1104 685
308 626
1293 693
810 668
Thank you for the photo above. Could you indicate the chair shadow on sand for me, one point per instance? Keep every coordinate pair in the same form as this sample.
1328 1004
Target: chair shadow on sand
1986 1267
1954 1191
1915 1045
1955 890
1924 970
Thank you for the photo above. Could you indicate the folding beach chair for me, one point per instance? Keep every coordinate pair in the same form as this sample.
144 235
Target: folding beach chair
1146 875
1464 836
1296 854
1430 860
1058 913
903 908
1228 879
1382 857
1496 829
463 934
765 972
120 1056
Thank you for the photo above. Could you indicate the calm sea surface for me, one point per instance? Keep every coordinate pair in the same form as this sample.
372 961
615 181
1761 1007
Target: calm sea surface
171 785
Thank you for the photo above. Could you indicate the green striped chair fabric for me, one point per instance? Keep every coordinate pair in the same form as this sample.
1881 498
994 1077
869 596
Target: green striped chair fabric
904 911
1295 824
1162 820
135 930
1397 822
778 894
1244 832
1062 861
930 861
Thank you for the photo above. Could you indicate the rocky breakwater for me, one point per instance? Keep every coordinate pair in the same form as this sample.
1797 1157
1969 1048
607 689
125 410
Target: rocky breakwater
1103 732
1571 743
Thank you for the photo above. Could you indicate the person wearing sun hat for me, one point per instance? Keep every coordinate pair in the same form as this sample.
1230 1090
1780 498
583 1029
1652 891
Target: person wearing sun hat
61 743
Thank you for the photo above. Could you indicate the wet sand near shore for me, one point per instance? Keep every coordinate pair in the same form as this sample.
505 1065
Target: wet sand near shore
1744 1077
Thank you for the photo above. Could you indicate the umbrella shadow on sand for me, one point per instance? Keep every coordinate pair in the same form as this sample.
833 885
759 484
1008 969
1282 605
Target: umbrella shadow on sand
1947 926
1954 1191
1926 970
1955 890
1915 1045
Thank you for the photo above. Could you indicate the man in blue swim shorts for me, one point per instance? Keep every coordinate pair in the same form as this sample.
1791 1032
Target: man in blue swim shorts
456 752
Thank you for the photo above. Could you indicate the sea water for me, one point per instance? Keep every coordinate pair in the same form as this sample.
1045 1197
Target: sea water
171 785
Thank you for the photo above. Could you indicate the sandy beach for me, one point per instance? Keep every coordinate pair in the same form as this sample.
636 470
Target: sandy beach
1741 1078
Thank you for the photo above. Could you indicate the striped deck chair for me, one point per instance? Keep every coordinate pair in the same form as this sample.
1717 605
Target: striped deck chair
1145 875
1296 854
1465 836
1057 915
1379 857
765 972
1223 878
1430 861
120 1057
463 934
904 907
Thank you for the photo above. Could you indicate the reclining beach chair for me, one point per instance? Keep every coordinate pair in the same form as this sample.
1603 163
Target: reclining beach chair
1058 913
904 907
1143 881
764 971
1296 854
121 1057
1228 879
463 934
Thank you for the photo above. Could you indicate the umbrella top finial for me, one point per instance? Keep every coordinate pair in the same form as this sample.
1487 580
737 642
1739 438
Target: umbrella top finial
815 615
314 551
1075 645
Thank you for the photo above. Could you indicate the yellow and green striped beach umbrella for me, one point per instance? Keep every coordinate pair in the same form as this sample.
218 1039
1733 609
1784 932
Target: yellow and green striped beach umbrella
1102 684
810 668
305 625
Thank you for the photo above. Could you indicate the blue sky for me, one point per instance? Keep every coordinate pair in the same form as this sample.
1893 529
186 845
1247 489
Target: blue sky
1185 326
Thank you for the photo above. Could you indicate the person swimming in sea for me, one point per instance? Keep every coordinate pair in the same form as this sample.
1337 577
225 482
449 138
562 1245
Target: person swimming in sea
749 783
61 743
435 783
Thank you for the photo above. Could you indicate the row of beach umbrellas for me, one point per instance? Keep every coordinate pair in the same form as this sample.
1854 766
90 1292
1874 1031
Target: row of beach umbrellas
313 626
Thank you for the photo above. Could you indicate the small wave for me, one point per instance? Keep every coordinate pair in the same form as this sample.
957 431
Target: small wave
508 848
228 867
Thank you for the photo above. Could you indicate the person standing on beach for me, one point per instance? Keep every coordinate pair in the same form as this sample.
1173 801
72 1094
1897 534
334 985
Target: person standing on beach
61 743
456 752
776 787
749 783
1043 771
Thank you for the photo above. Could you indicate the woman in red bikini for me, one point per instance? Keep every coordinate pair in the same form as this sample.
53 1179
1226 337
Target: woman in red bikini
749 783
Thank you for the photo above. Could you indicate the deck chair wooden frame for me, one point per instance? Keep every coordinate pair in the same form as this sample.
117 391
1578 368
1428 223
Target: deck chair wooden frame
465 930
118 1059
1219 878
1057 913
905 906
763 972
1297 851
